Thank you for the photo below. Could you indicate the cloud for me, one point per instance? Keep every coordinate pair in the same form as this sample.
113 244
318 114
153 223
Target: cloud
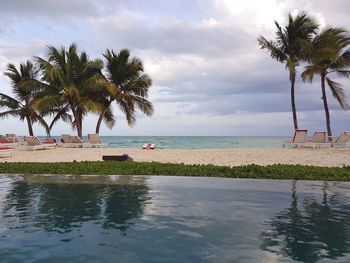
203 58
48 8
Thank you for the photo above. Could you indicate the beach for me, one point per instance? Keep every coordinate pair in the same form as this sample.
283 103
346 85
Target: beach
330 157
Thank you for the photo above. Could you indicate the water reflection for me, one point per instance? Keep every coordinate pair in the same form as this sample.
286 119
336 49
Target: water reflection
130 200
172 219
314 227
54 207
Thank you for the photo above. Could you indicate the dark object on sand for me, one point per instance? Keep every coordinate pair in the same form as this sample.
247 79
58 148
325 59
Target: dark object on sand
120 158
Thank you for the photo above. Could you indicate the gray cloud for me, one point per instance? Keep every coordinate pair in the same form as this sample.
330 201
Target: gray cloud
48 8
173 37
202 55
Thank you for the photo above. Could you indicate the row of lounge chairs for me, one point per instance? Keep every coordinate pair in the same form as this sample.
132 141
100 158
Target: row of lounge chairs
319 139
10 141
7 142
75 141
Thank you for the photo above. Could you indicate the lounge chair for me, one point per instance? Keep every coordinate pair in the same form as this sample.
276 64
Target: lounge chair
8 142
95 141
12 137
149 146
299 139
68 142
5 152
34 143
72 142
342 140
65 140
81 144
319 140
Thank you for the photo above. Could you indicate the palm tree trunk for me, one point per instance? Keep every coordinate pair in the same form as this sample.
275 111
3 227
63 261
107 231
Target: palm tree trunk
80 120
325 105
99 121
76 120
30 126
292 96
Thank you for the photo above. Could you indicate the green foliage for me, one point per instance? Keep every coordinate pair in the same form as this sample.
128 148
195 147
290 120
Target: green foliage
291 40
290 45
326 54
127 85
70 82
22 105
278 171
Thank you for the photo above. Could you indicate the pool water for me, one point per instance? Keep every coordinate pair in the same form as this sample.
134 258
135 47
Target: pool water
172 219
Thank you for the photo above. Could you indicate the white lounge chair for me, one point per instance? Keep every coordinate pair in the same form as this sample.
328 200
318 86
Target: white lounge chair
69 141
65 140
95 141
6 152
319 140
8 142
342 140
34 143
149 146
81 144
13 138
299 139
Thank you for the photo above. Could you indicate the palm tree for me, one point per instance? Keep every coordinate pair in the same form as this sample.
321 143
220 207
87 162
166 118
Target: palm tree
22 105
327 55
288 47
70 81
127 85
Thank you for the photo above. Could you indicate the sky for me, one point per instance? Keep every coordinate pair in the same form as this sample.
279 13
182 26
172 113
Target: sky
209 75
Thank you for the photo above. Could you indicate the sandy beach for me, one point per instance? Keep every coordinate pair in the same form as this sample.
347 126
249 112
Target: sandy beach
230 157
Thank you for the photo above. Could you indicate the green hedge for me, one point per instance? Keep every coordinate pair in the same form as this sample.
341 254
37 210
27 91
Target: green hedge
278 171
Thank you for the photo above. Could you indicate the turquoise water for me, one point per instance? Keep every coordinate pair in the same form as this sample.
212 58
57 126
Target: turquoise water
172 219
193 142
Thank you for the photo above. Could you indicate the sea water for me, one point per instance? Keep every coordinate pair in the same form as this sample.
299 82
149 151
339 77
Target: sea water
193 142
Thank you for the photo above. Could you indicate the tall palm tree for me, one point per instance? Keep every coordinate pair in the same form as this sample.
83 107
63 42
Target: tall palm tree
327 55
70 81
288 47
127 85
22 105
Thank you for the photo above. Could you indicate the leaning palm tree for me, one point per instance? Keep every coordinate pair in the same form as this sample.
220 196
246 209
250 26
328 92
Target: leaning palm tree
127 85
69 82
22 105
327 55
288 47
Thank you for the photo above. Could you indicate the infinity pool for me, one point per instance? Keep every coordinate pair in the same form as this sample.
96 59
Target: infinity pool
172 219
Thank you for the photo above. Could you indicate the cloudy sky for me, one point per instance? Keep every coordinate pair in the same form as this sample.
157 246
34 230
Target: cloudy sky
209 76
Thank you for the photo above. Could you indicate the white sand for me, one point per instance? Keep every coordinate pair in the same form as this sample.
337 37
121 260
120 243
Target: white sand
230 157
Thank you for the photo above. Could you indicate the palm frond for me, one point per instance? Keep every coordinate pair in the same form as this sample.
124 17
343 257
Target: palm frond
309 73
275 51
60 114
12 113
144 105
109 118
343 73
44 124
127 107
9 102
46 104
338 93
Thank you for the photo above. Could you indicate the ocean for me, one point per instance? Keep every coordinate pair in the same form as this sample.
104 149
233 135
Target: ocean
194 142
